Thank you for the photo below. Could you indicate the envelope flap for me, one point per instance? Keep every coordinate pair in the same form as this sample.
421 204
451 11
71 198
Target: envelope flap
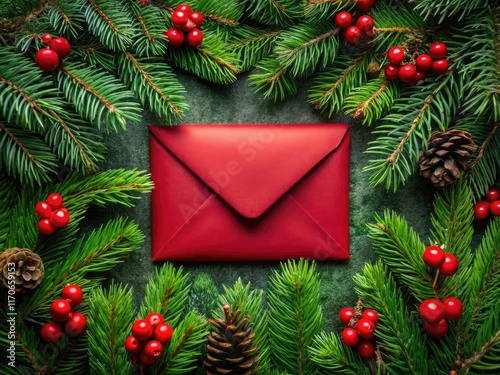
250 166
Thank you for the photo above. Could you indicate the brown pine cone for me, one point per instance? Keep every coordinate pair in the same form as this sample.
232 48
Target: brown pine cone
24 265
446 156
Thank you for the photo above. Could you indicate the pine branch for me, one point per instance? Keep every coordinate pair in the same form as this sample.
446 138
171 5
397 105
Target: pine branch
203 295
226 13
7 194
151 40
66 17
295 316
322 10
444 9
271 80
276 12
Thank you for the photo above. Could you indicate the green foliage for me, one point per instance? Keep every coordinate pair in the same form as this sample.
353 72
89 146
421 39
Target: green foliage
203 295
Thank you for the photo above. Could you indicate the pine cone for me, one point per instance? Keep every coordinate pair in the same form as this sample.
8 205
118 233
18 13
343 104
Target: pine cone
446 156
28 269
230 348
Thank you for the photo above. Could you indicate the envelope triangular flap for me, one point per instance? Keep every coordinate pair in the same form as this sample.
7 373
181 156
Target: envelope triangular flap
251 166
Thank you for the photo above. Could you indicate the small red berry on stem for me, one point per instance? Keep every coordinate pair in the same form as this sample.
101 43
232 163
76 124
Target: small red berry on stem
55 200
350 336
365 328
153 349
434 256
145 360
352 34
423 62
47 59
142 329
46 227
60 217
449 266
197 18
495 208
438 50
391 72
60 310
74 295
407 72
51 332
437 330
365 5
493 195
163 333
132 345
175 36
155 319
76 325
365 23
343 20
440 66
482 210
431 310
61 46
366 349
371 315
46 38
195 37
453 308
43 209
179 18
184 8
190 25
396 55
345 315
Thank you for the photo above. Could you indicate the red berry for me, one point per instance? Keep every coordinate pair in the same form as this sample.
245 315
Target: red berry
153 349
61 46
391 72
423 62
55 200
453 308
437 330
145 360
60 310
197 18
47 59
371 315
43 209
46 227
175 37
364 5
132 345
481 210
366 328
142 329
365 23
440 66
163 333
396 55
195 37
51 332
343 20
74 295
143 2
155 319
419 77
449 266
76 325
431 310
366 349
60 217
183 8
438 50
493 195
179 18
407 72
495 208
46 38
352 35
350 336
345 315
190 25
434 256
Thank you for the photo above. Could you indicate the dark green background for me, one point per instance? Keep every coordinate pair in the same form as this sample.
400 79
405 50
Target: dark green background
238 103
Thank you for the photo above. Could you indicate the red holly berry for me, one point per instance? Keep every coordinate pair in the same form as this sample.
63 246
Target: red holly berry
145 360
343 20
51 332
153 349
183 8
195 37
43 209
449 266
365 328
481 210
396 55
495 208
365 23
391 72
55 200
440 66
60 217
438 50
453 308
74 295
163 333
419 76
60 310
175 37
407 72
437 330
366 349
434 256
179 18
142 329
46 38
143 2
345 315
155 319
190 25
423 62
46 227
132 345
352 35
371 315
197 18
431 310
350 336
61 46
493 195
365 5
47 59
76 325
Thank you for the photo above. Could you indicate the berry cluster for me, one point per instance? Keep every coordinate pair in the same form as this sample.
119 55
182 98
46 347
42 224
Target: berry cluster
364 24
186 26
148 337
435 257
491 205
412 74
436 314
48 58
363 327
61 311
53 215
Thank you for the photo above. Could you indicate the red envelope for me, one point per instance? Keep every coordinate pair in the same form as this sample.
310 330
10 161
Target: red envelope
250 192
